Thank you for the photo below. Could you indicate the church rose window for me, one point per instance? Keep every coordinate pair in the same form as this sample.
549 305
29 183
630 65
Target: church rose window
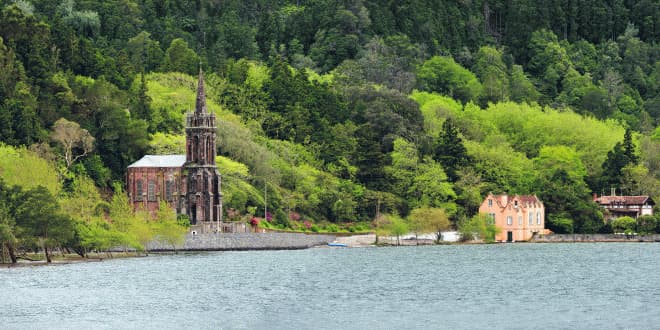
151 191
138 190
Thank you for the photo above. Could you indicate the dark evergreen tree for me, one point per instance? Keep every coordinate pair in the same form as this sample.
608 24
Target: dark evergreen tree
450 151
629 148
619 157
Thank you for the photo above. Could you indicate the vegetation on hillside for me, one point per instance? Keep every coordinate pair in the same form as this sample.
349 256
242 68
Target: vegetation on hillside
339 109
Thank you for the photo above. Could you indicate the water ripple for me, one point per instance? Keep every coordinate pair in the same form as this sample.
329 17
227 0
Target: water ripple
520 286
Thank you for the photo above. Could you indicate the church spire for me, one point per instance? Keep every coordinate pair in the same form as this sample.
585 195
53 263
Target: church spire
200 107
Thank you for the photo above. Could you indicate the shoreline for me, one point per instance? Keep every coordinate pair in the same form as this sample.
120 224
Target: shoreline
351 241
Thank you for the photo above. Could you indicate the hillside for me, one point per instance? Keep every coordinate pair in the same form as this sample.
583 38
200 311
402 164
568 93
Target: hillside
341 109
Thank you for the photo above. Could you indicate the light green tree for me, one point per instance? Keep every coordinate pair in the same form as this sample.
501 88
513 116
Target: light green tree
167 229
396 227
429 220
442 74
480 227
624 225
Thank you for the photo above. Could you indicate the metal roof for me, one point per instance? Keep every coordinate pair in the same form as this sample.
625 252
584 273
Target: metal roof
160 161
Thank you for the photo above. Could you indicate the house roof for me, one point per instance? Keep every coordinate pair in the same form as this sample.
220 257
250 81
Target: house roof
633 200
160 161
525 200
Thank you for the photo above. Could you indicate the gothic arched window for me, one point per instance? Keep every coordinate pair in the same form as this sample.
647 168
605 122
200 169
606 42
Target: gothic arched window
151 191
138 190
168 190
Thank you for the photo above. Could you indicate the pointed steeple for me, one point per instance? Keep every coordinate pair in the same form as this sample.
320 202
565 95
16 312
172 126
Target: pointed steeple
200 107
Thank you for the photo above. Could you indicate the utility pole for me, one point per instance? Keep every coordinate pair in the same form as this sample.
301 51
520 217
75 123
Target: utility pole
265 201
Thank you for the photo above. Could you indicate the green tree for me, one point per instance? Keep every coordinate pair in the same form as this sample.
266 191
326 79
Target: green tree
167 229
624 225
180 58
8 240
9 232
646 224
396 227
40 217
429 220
442 74
450 151
492 72
560 185
479 227
622 155
144 53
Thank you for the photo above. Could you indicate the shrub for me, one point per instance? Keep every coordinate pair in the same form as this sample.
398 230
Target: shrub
332 228
646 224
560 225
623 225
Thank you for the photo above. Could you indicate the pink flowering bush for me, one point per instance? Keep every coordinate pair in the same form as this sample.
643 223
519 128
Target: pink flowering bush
295 216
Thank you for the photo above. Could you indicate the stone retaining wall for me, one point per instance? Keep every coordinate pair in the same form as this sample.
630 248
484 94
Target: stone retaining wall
595 238
245 241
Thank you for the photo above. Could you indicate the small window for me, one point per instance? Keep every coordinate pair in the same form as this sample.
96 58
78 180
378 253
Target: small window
490 202
168 190
515 203
151 191
509 220
138 190
520 220
491 218
538 218
531 218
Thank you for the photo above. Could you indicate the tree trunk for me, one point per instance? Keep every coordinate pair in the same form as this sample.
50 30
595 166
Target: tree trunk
48 259
12 255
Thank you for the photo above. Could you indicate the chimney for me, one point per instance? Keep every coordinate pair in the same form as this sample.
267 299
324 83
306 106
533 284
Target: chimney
612 191
595 197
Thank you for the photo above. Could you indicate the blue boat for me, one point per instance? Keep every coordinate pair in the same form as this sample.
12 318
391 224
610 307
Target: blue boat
337 244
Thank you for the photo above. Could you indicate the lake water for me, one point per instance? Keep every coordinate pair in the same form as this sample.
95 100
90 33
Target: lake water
594 286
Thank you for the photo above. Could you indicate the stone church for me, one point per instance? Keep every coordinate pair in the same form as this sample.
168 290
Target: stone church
189 183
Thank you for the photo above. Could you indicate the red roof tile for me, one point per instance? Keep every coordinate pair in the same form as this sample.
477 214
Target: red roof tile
630 200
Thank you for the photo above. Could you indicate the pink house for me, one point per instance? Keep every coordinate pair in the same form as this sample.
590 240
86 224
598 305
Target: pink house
520 217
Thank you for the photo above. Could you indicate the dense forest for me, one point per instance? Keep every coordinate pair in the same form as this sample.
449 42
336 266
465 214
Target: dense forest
339 109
